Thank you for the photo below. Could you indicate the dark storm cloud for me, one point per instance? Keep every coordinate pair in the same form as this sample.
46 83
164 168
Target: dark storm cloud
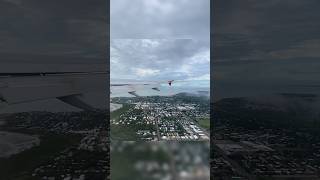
160 19
265 43
73 28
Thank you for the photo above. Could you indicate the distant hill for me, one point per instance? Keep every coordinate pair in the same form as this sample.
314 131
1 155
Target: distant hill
196 94
279 110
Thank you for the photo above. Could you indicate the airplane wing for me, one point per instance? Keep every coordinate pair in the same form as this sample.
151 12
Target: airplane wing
131 87
67 87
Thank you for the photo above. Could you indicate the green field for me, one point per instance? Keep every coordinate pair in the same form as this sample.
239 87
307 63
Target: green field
123 133
120 132
21 165
116 114
126 132
204 122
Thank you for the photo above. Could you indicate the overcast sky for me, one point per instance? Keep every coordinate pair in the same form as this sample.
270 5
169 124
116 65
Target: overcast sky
266 46
160 59
160 39
32 31
160 19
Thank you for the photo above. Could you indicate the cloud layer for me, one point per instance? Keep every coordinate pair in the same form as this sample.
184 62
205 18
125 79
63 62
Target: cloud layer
160 59
160 19
267 45
73 28
160 39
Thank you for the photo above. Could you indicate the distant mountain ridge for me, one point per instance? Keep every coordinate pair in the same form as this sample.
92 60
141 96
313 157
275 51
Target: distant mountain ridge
196 94
279 110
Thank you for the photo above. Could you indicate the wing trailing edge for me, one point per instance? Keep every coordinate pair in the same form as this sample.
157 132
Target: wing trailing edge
76 101
133 93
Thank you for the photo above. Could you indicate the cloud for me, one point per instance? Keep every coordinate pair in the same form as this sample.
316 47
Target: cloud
205 77
159 59
74 28
160 39
245 28
160 19
145 72
261 46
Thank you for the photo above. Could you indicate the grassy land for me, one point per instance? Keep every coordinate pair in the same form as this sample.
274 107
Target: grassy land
23 163
118 132
128 132
116 114
204 122
123 132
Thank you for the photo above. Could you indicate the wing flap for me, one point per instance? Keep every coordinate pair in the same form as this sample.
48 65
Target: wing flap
133 93
76 101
